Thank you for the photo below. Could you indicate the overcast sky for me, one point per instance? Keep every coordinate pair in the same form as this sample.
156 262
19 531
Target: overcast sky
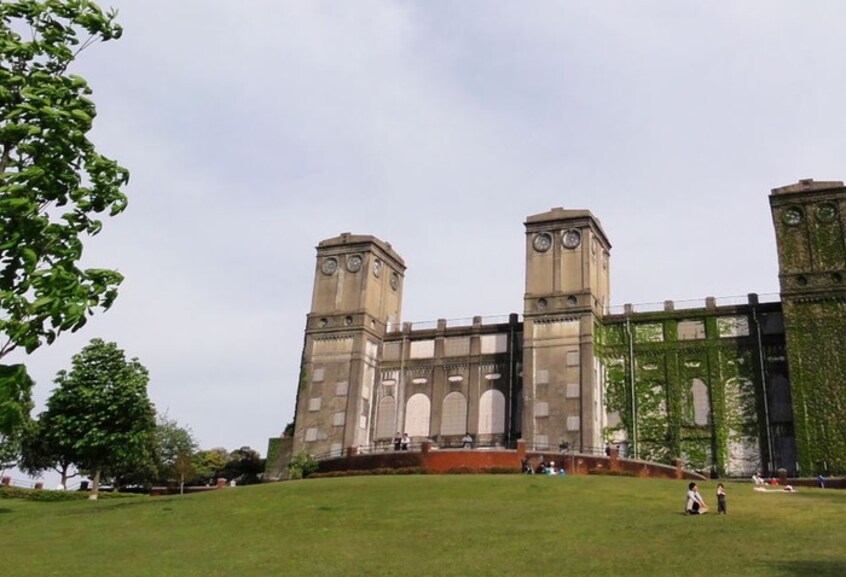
255 129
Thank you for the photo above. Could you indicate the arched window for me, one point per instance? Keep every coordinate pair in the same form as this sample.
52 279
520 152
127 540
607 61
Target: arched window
417 412
701 407
491 413
454 414
386 419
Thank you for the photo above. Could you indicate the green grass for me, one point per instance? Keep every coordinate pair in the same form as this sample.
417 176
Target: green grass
436 525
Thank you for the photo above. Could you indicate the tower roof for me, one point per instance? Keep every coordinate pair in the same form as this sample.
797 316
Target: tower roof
808 185
559 213
346 239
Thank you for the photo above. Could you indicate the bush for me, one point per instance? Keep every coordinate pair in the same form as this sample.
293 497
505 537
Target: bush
364 472
610 473
43 496
302 465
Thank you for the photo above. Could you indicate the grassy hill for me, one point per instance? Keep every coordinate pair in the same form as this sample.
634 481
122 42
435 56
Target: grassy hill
432 525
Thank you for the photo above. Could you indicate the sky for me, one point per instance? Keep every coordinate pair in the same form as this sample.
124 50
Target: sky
253 130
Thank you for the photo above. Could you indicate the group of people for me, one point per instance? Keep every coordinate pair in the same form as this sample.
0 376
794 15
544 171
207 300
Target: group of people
542 469
401 442
695 505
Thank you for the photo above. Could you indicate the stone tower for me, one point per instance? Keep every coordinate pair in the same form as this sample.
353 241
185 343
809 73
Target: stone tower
567 289
809 224
357 297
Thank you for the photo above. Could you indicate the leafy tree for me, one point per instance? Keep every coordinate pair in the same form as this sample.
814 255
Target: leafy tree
15 399
175 448
184 469
101 414
53 183
245 465
210 463
10 450
44 448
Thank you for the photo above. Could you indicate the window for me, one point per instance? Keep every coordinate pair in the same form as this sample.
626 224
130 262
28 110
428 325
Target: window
314 404
491 413
454 414
417 412
338 419
387 416
492 344
422 349
541 409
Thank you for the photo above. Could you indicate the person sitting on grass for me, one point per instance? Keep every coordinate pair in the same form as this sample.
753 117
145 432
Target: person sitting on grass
694 503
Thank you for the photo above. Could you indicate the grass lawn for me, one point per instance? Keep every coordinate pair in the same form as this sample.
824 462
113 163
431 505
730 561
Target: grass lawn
436 525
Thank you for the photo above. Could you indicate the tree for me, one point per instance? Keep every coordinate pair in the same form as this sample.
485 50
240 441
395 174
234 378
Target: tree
175 449
209 464
100 414
53 182
244 464
44 447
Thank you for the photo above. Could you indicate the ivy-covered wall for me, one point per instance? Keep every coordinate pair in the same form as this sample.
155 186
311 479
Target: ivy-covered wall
685 384
816 339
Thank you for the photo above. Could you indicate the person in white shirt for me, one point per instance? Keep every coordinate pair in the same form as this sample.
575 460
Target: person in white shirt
694 503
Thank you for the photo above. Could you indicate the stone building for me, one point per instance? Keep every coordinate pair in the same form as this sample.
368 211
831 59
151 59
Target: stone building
730 387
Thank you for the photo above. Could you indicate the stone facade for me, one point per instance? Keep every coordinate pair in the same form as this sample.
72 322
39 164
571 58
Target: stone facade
705 382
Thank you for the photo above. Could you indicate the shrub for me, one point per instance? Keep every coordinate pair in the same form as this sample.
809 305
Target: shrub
56 496
610 473
302 465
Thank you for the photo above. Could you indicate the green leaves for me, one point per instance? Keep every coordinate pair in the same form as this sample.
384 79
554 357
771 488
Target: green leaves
47 161
99 416
15 398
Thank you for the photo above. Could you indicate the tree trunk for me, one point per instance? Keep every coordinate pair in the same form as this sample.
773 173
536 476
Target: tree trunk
181 484
95 486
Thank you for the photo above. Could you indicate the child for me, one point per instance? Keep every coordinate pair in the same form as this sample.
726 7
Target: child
721 499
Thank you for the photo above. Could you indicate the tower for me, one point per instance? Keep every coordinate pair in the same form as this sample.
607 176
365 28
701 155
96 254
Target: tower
357 297
567 289
809 223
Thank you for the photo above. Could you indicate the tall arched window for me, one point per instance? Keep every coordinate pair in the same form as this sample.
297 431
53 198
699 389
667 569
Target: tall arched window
386 419
417 412
491 413
454 414
701 406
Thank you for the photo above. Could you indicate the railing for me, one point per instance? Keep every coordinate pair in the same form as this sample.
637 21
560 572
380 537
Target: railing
382 447
452 323
690 304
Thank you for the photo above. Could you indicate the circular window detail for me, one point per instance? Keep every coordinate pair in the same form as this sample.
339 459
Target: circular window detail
542 304
348 321
792 215
354 263
394 280
801 280
571 238
572 301
542 242
827 212
329 266
322 323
